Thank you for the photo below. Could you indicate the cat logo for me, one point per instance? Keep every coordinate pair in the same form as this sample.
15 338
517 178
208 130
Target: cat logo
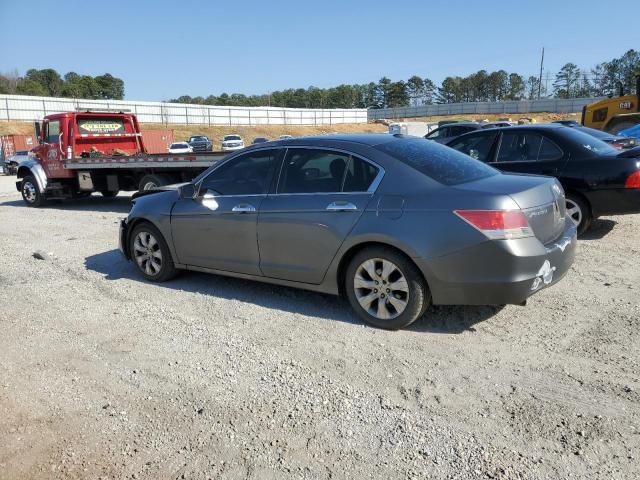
625 105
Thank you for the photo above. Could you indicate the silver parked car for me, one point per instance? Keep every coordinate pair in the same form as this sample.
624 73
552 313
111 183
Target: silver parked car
394 223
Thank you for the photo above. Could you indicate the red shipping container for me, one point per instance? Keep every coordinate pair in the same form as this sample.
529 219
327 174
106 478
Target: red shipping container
157 141
10 144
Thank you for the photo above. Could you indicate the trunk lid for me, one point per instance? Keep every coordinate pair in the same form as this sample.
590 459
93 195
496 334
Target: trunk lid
540 198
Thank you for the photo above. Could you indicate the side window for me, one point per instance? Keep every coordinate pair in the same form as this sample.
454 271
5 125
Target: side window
456 131
360 176
477 146
313 171
248 174
519 147
549 150
435 133
600 115
52 134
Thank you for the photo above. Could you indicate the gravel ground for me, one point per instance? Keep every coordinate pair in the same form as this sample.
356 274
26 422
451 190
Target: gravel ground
107 376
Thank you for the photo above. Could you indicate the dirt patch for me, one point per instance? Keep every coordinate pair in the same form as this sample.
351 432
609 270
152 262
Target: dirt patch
107 376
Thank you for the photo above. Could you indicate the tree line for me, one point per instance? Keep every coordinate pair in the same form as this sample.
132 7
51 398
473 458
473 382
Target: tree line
483 86
48 83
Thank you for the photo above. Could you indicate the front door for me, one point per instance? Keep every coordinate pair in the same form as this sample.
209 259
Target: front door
218 228
320 196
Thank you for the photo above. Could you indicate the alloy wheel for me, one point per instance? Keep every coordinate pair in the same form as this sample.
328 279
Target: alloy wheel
381 288
147 253
574 212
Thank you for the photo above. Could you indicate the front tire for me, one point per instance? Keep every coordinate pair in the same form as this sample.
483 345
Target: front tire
31 193
579 211
150 253
385 288
109 193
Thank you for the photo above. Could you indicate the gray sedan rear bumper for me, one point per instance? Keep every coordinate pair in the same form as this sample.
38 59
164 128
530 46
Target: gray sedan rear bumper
499 272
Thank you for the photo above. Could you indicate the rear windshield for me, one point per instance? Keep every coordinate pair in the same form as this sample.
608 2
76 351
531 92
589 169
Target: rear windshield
179 145
232 137
198 139
443 164
588 142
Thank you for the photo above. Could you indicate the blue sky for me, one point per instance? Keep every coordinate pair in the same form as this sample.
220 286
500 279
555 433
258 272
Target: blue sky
163 49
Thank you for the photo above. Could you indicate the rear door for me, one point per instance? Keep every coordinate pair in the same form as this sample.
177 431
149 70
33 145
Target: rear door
321 194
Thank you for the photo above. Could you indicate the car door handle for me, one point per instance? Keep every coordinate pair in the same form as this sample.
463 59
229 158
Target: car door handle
341 207
243 208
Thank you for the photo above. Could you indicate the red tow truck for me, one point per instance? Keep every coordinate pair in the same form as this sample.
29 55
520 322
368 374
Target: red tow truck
99 151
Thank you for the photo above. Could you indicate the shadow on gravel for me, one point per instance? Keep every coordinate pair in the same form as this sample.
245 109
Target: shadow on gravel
94 203
599 228
441 319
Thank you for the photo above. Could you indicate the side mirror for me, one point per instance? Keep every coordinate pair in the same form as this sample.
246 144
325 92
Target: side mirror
188 191
36 126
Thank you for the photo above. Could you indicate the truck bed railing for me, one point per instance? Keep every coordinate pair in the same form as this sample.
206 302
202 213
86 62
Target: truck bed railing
145 161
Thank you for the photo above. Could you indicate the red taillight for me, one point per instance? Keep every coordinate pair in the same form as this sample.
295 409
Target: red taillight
633 180
498 224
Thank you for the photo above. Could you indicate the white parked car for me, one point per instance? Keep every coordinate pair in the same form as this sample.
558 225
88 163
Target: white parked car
180 147
284 137
232 142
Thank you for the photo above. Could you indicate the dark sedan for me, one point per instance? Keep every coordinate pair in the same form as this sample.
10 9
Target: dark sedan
597 178
394 223
200 143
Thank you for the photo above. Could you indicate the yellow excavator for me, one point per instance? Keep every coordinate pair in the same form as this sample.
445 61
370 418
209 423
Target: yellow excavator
615 113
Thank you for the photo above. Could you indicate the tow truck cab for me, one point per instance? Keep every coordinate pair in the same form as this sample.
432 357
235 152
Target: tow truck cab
99 151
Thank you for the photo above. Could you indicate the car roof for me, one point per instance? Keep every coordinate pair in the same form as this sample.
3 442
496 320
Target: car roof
332 140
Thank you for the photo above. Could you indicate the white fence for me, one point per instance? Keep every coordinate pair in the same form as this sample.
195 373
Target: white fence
25 108
556 105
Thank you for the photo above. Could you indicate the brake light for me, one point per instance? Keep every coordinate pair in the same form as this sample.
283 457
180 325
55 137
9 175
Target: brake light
633 180
498 224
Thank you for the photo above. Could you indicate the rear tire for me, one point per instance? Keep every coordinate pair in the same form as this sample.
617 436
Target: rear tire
31 193
579 211
150 253
154 180
385 288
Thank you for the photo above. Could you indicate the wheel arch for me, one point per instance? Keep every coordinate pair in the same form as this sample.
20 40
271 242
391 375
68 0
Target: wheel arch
31 167
353 250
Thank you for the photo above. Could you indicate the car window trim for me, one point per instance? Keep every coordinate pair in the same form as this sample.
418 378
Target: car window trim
230 158
371 190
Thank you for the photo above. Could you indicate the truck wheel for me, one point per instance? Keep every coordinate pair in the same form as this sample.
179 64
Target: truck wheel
151 181
150 253
31 192
109 193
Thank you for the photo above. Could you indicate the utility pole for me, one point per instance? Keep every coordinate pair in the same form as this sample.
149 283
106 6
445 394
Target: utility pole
540 78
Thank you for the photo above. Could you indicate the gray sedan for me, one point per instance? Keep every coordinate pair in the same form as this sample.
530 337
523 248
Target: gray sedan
393 223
